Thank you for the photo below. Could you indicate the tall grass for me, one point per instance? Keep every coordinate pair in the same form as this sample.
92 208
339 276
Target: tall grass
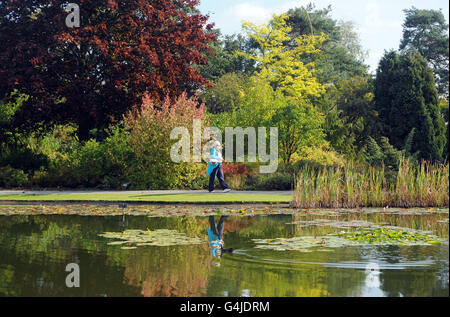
422 185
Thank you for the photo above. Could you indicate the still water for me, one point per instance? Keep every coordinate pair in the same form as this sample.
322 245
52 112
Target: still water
34 252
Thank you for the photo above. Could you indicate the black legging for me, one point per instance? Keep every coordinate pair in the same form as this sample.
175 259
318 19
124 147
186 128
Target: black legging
219 173
217 229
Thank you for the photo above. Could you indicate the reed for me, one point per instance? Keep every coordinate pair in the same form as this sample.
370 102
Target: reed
415 185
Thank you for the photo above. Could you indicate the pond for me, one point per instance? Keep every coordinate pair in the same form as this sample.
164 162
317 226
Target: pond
276 255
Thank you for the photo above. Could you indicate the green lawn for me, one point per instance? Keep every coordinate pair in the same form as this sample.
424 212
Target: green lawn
156 198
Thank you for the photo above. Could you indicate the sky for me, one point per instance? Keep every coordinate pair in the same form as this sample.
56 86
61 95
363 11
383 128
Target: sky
378 22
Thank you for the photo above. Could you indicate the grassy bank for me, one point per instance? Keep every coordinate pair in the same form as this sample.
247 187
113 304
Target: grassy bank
151 197
425 185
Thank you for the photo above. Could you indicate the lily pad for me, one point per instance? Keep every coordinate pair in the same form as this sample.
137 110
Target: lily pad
161 237
391 236
378 236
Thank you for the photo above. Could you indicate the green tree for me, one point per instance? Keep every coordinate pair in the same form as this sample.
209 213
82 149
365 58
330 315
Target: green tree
282 65
225 94
406 98
300 126
8 107
342 54
445 115
350 114
427 32
224 59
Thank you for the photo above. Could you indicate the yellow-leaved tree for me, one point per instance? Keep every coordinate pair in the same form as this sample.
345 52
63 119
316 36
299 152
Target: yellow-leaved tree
282 64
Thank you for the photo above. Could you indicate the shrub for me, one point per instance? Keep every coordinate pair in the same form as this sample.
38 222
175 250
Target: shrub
23 159
11 177
102 164
276 181
230 169
150 127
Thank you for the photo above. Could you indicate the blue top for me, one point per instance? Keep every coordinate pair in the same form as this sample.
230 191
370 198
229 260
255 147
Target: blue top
214 241
214 156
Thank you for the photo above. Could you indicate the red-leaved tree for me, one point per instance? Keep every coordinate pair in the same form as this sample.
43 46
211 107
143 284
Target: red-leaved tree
93 74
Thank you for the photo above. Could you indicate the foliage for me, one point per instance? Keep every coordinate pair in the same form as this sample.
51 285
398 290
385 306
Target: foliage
235 169
22 158
11 177
101 164
317 156
160 237
9 105
387 236
225 96
300 127
423 185
342 55
150 127
427 32
445 115
92 74
274 181
224 59
379 236
384 154
406 98
281 66
350 114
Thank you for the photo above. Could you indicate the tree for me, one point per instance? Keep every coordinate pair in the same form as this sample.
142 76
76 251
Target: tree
224 59
445 115
342 56
406 98
384 153
427 32
300 127
282 66
350 115
225 95
93 74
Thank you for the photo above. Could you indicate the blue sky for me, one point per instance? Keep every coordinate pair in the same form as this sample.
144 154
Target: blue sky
378 22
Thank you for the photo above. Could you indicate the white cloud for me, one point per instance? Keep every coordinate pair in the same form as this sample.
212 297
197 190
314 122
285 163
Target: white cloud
256 13
249 11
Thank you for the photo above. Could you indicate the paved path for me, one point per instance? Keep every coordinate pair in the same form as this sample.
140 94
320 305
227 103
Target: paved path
157 192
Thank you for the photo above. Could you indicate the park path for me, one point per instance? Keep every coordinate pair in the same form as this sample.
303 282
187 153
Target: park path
161 192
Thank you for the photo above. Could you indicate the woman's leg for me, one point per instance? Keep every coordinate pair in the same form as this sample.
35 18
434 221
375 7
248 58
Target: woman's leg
212 178
220 227
213 225
221 177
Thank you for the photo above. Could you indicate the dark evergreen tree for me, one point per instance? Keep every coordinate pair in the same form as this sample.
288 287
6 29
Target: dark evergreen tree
427 32
406 98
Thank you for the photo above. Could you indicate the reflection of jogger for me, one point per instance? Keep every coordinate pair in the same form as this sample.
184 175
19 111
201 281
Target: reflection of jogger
215 235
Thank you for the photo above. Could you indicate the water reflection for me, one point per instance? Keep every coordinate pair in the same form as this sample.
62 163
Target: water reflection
215 237
34 251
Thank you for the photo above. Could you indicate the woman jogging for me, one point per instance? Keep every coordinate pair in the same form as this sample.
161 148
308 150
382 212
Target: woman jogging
215 168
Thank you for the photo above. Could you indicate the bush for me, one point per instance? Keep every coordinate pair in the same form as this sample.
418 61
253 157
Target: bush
11 177
275 181
230 169
150 127
23 159
102 164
